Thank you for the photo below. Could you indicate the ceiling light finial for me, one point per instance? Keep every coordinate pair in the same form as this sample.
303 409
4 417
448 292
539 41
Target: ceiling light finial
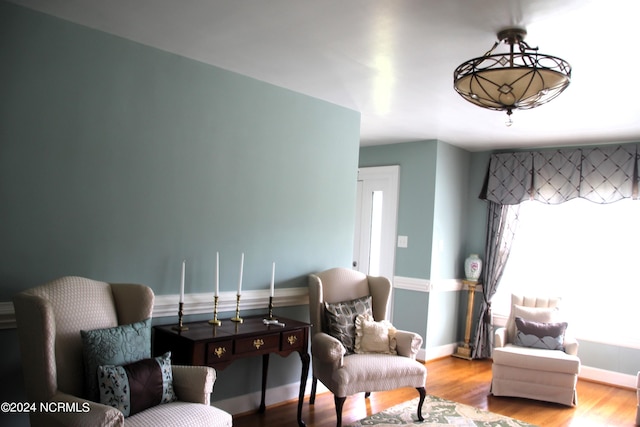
515 80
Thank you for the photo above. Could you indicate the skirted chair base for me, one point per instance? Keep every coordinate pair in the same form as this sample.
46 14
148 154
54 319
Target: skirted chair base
358 375
550 376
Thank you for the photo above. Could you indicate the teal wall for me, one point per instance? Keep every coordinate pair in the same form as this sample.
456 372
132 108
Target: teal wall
450 213
432 213
417 162
118 160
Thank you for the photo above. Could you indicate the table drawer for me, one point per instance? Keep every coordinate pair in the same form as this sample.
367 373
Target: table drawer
264 343
221 351
292 340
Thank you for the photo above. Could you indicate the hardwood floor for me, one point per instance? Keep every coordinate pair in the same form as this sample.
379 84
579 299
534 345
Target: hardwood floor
465 382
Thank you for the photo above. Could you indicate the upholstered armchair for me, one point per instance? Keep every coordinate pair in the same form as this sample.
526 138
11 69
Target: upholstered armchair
338 299
50 319
532 356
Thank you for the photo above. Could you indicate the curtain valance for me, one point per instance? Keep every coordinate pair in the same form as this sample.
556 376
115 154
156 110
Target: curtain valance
599 174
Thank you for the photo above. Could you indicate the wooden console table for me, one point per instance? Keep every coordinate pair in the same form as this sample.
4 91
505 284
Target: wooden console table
218 346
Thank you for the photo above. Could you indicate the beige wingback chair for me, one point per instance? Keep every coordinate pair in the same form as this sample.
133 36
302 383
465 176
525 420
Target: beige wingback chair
345 375
50 318
534 373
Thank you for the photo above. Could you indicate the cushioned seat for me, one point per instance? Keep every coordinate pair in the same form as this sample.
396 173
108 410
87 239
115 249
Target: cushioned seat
537 359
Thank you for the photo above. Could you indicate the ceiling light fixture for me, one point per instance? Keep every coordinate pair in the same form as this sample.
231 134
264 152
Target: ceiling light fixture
513 80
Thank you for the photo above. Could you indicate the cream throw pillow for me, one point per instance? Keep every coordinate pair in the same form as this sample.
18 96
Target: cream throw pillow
374 337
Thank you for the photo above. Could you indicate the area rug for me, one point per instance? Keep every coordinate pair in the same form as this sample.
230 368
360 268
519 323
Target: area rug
438 412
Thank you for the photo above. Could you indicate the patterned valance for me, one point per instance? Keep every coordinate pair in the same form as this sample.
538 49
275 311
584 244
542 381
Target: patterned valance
599 174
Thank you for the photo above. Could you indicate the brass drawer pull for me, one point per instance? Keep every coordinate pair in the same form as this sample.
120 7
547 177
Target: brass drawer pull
292 339
258 343
220 351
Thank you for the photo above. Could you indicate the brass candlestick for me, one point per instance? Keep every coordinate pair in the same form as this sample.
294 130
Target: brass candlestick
271 310
237 318
215 320
180 326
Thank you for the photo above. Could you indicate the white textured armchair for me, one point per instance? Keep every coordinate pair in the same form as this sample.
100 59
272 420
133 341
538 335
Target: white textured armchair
534 365
373 365
50 319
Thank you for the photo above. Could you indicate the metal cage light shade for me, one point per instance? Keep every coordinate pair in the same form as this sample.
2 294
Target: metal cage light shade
521 79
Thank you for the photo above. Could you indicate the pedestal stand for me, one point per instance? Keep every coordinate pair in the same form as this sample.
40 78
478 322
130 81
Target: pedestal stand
464 350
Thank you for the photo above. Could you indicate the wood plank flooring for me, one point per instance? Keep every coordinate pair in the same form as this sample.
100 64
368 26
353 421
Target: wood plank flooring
465 382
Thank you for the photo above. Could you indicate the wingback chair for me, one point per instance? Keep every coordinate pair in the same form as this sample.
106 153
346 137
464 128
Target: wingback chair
530 367
50 318
344 373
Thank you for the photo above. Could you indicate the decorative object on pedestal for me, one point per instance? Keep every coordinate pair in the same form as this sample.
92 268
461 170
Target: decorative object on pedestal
473 267
464 350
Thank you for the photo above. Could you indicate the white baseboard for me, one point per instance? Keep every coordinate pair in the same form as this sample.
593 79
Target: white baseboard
433 353
250 402
608 377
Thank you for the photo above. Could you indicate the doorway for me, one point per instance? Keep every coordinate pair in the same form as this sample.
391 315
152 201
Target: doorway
376 221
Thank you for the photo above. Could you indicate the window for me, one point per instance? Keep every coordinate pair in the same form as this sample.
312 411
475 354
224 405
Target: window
587 253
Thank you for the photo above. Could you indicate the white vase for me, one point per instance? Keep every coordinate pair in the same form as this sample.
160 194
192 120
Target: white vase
473 267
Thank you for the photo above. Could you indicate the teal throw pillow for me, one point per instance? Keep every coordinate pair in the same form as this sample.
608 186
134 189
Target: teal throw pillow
137 386
113 346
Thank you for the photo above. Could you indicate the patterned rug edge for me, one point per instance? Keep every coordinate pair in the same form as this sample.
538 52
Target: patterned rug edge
438 412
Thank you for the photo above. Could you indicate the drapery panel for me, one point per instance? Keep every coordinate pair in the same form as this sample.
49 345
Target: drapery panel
599 174
501 228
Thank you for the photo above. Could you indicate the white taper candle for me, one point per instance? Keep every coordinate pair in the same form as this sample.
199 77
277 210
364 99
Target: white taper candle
241 268
273 276
182 282
217 273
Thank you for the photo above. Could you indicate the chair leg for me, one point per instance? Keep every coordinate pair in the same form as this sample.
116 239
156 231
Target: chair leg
339 404
367 394
314 385
423 394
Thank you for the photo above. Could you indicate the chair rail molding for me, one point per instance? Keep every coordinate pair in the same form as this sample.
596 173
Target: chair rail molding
201 303
426 285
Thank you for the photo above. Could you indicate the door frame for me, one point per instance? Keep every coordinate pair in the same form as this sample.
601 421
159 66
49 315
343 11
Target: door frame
370 178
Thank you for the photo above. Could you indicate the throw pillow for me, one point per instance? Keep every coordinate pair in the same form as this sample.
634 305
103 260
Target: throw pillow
113 346
340 318
137 386
533 314
374 337
549 336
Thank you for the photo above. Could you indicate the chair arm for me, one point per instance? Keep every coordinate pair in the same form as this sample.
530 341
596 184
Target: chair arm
571 346
500 337
408 343
193 383
327 349
75 411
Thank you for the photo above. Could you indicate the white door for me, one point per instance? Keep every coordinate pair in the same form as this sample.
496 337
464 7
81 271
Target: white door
376 218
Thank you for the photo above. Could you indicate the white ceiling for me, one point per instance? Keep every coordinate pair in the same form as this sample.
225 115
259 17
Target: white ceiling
393 60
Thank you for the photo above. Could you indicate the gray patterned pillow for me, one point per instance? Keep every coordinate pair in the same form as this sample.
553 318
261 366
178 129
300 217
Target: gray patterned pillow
137 386
113 346
340 319
549 336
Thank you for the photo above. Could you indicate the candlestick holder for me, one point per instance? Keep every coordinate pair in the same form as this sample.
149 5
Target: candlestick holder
270 317
237 317
180 326
215 320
